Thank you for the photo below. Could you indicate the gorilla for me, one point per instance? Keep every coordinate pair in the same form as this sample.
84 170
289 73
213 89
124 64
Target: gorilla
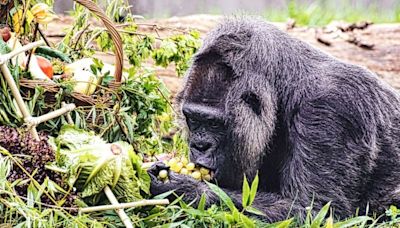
314 128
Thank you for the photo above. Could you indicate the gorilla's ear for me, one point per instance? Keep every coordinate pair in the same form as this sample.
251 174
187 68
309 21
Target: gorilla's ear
208 58
253 101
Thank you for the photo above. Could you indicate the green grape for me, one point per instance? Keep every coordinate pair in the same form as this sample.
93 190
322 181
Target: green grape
196 175
163 174
190 166
204 171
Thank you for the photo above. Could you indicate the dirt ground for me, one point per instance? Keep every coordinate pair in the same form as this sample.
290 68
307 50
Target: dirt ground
376 46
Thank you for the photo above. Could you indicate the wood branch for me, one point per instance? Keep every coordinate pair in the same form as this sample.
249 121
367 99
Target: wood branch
140 203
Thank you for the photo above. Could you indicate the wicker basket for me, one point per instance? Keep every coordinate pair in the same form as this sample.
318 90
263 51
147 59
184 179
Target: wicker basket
81 99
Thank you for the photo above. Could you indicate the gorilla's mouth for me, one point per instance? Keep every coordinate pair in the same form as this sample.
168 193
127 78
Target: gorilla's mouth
211 171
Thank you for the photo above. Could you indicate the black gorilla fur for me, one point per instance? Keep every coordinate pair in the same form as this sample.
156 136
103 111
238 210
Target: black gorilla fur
316 128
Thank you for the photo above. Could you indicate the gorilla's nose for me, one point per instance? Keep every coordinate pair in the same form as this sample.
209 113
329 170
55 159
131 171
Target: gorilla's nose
202 146
205 161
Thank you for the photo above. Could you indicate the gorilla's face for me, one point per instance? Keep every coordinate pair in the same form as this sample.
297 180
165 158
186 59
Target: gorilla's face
204 108
230 119
207 136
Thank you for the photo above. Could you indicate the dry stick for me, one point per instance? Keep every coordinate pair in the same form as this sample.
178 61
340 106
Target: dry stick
121 213
140 203
11 83
15 91
69 118
43 37
80 36
34 38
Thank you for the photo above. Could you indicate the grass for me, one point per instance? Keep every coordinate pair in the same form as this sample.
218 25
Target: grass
179 214
322 12
16 211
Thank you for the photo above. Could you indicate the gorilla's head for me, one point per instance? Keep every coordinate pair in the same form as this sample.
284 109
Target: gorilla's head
228 105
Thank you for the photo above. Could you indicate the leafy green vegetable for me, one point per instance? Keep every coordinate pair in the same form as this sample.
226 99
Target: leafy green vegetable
4 49
94 164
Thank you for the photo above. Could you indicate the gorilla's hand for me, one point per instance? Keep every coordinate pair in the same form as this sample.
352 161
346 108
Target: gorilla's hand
182 184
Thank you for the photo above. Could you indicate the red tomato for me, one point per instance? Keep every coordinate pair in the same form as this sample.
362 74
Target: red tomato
45 65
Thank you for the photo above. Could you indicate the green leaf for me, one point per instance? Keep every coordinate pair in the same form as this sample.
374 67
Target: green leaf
163 195
32 192
223 196
4 49
254 210
352 222
236 215
100 164
245 192
317 221
117 170
248 223
228 217
253 191
282 224
195 212
202 202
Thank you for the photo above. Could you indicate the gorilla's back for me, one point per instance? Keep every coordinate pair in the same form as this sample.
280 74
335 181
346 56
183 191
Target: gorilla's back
315 127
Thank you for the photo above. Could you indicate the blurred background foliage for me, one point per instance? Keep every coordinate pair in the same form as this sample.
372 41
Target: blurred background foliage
305 12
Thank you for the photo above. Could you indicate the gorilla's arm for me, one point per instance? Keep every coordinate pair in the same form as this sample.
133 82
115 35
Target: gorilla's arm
274 206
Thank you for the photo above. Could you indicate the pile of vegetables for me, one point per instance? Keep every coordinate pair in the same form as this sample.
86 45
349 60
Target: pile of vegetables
135 112
92 164
48 64
76 163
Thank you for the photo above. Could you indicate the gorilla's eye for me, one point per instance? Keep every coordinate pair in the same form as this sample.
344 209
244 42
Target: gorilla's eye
191 122
253 101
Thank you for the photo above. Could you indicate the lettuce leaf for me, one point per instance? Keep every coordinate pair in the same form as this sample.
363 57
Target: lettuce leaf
93 164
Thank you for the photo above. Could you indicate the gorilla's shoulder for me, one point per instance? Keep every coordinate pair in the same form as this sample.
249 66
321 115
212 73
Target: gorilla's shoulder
243 28
246 23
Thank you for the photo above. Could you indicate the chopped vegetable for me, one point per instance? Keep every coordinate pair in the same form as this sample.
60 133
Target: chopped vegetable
85 82
45 65
4 48
37 71
53 53
58 66
94 164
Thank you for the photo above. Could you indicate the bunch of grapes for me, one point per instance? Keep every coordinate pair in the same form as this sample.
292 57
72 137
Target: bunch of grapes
184 167
33 155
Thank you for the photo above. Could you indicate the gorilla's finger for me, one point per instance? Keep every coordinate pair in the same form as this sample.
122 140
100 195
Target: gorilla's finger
156 168
153 177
